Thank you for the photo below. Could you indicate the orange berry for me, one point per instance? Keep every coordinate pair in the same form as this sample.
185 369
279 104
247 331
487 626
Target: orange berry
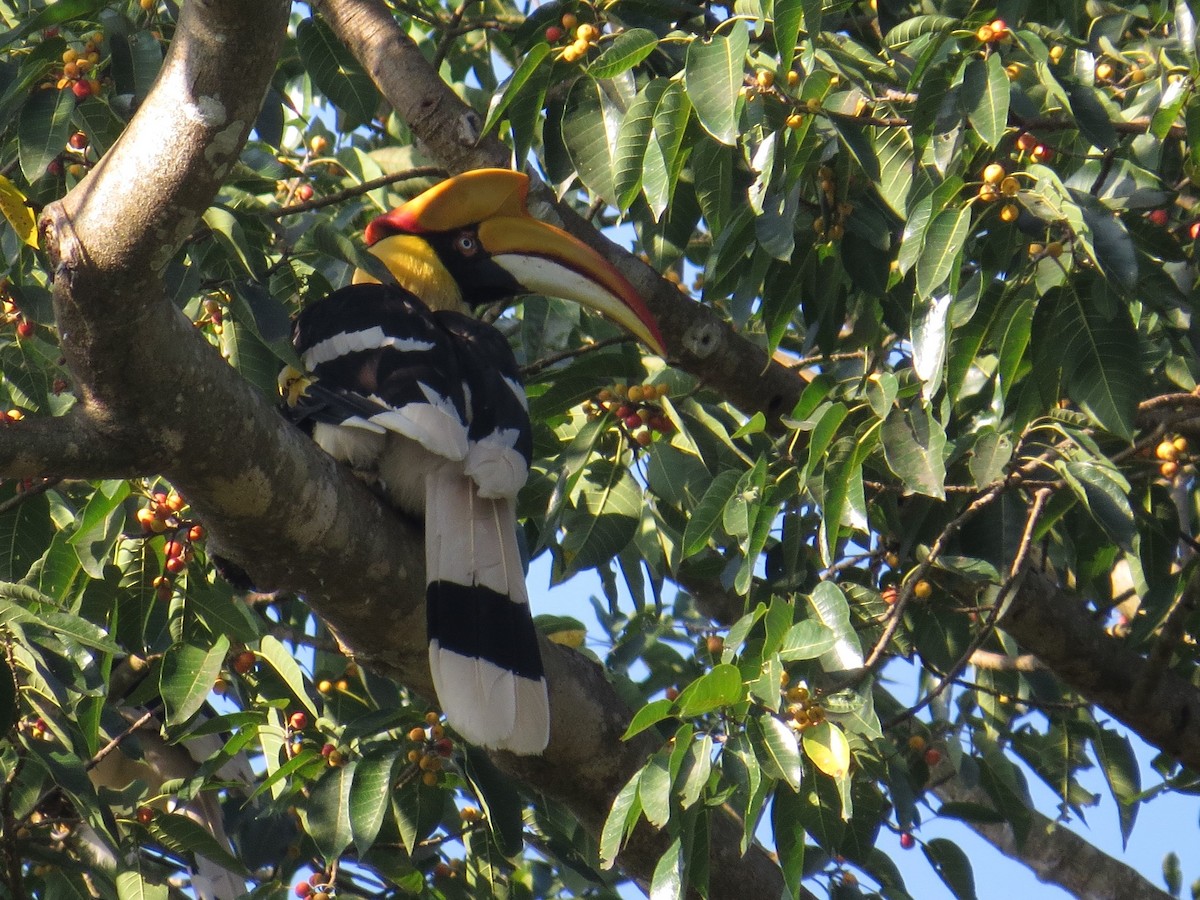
643 438
999 29
1009 213
922 590
196 533
985 35
175 565
916 743
715 643
992 173
1026 142
304 193
1166 451
988 192
429 779
146 519
1169 469
889 595
417 735
569 20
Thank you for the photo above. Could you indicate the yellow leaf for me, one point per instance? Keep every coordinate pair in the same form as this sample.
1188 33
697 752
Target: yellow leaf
827 747
18 213
571 637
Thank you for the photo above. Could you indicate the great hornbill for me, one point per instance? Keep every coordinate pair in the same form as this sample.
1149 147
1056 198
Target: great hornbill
425 401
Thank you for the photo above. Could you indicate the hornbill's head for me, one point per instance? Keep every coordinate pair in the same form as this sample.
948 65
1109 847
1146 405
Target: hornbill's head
470 241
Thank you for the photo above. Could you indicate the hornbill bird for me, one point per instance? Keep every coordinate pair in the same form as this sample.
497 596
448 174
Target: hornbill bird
424 401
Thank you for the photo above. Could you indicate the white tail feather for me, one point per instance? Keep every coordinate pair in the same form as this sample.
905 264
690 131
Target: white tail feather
470 540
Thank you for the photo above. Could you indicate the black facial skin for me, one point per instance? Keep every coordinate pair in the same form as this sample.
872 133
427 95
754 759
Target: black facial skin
482 281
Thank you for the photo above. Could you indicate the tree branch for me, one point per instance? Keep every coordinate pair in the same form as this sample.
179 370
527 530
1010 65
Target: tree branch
68 446
1054 853
1054 625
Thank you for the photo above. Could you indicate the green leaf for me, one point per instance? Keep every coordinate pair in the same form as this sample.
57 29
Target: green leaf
591 128
985 97
709 512
605 518
284 662
336 73
943 240
788 16
629 48
180 834
187 676
1090 115
663 159
1119 764
714 70
697 768
914 444
650 714
327 811
633 141
808 639
952 866
855 140
620 821
720 687
43 130
783 749
369 795
654 790
1103 497
520 76
131 885
501 803
667 881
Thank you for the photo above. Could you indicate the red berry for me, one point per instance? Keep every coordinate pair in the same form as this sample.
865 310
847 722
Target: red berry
444 747
624 411
196 533
173 549
933 756
25 328
244 662
634 421
318 878
907 841
302 889
82 89
298 721
175 565
304 193
1193 231
55 168
145 814
554 34
78 140
1158 217
327 749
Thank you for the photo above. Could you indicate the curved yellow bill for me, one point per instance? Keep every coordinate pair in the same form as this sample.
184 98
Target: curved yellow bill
546 260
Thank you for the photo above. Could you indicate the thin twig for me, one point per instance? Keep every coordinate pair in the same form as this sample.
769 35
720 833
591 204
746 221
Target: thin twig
38 487
357 190
448 34
545 362
117 741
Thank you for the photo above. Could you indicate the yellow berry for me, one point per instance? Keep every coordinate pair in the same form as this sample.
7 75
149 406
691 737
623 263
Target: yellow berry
147 5
324 686
636 393
1009 212
988 193
1181 443
992 173
69 56
587 33
1104 71
922 590
765 78
1056 53
795 120
793 79
985 34
916 743
1036 249
1166 451
571 54
1137 75
1010 187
